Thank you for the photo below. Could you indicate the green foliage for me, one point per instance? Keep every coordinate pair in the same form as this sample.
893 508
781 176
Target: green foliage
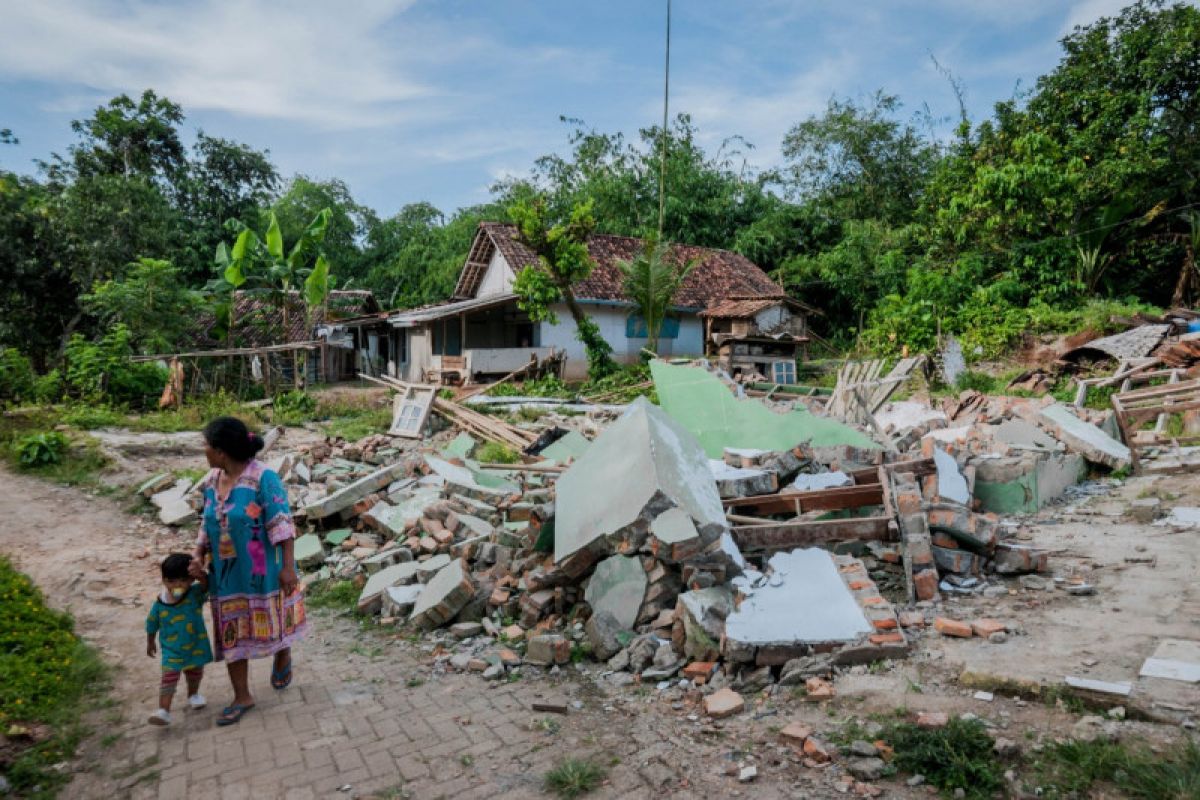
971 380
353 427
101 371
599 351
334 595
958 756
41 449
49 388
45 673
293 407
574 777
89 417
546 386
1076 769
17 378
150 300
496 453
651 279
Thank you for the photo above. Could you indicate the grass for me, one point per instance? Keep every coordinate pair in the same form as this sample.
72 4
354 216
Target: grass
356 426
574 777
79 466
48 676
958 756
1076 769
336 595
496 453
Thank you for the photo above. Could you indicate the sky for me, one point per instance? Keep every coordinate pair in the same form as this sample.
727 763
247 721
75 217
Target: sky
435 100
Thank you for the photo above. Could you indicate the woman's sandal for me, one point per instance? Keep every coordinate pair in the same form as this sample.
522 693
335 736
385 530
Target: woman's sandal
232 715
282 678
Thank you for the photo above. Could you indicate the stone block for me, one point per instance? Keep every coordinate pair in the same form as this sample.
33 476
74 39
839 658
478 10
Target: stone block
444 596
724 703
603 632
547 649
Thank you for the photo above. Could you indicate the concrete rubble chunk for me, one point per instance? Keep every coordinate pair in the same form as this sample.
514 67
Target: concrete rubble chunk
404 573
397 601
571 446
642 465
308 551
805 482
155 484
1085 438
472 482
676 534
741 481
346 497
800 579
393 519
444 596
618 587
603 633
703 613
460 447
951 485
547 650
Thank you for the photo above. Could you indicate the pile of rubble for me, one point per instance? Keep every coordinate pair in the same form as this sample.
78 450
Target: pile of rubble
672 546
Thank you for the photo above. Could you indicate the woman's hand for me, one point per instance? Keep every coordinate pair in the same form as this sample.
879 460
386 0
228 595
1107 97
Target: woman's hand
196 567
288 580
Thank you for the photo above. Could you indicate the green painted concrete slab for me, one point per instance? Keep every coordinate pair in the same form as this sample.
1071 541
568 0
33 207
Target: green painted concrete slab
706 407
571 446
460 447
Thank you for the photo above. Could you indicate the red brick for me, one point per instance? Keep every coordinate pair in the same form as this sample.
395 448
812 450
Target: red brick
723 703
699 670
795 733
926 584
952 627
889 623
819 689
886 638
856 585
816 750
986 627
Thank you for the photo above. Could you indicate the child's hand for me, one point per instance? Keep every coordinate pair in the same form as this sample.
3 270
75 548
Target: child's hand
196 568
151 648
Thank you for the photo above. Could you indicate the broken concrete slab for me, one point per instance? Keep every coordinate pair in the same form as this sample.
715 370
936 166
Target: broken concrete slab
444 596
1027 483
177 512
703 617
1175 660
460 447
1122 688
397 601
570 447
902 415
471 481
155 484
951 485
1020 434
394 519
800 579
1181 517
308 551
618 587
359 489
642 465
1084 438
675 534
706 407
604 634
805 482
406 572
740 481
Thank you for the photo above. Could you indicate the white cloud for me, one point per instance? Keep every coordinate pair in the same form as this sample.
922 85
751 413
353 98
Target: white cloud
306 61
1088 11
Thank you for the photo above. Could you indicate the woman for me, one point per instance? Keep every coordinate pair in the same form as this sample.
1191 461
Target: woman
257 610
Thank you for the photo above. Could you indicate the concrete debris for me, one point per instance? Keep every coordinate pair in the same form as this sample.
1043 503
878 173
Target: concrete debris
724 703
1175 660
617 588
444 596
1085 438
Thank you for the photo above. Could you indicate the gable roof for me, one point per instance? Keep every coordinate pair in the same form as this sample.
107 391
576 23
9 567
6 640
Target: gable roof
744 307
718 274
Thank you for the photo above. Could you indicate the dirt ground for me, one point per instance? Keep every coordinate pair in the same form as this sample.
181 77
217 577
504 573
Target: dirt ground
377 713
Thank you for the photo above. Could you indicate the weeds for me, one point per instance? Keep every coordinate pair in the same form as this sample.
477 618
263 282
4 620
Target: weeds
958 756
496 453
574 777
336 595
1074 769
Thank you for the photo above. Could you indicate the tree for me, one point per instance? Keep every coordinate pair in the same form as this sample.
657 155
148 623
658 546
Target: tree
151 301
651 279
347 226
263 261
562 261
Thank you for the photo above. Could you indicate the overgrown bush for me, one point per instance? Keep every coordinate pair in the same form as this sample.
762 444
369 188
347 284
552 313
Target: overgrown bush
49 388
293 407
102 371
88 417
41 449
17 378
496 453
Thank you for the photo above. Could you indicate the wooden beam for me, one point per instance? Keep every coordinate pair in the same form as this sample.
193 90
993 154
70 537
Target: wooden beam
839 499
786 535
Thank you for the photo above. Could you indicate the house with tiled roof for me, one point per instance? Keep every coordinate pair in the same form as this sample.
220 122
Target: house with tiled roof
482 332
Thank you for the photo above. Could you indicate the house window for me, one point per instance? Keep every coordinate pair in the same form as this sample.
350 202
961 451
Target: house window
784 372
401 339
635 327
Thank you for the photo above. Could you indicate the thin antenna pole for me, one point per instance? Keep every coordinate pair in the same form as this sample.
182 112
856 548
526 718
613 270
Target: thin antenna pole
662 166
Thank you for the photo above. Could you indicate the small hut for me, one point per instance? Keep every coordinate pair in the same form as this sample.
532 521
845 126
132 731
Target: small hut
757 336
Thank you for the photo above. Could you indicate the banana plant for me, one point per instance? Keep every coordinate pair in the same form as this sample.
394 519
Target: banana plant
261 262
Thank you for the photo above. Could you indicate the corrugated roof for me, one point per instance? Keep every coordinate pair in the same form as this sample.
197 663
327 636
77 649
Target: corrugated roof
417 316
718 274
1133 343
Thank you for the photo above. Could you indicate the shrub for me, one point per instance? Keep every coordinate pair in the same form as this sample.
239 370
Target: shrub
573 777
49 388
293 407
41 449
102 371
89 418
16 376
496 453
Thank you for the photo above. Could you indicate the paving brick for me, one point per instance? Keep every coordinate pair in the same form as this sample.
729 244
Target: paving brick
952 627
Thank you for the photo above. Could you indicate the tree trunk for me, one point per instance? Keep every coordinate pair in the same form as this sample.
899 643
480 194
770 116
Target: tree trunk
1179 296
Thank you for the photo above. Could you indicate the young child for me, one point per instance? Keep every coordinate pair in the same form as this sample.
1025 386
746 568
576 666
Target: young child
177 617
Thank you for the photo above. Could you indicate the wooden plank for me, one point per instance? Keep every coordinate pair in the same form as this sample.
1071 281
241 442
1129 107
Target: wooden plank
839 499
787 535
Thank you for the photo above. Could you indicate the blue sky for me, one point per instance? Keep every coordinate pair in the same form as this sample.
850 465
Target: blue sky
410 100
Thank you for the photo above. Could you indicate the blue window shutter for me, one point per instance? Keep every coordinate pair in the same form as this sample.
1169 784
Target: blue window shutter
635 327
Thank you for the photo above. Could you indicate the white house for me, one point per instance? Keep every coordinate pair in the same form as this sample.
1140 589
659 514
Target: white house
482 332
